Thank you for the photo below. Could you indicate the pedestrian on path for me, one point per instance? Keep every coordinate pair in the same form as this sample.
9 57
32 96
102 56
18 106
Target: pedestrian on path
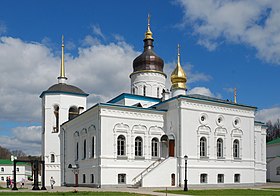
52 182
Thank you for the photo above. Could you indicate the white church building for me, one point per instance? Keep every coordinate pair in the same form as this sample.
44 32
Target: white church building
146 137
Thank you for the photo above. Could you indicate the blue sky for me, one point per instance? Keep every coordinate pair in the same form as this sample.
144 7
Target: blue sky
224 44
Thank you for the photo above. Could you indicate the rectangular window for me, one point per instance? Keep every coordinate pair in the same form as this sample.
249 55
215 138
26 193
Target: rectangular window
236 178
84 178
2 178
91 178
121 178
220 178
203 178
2 169
17 169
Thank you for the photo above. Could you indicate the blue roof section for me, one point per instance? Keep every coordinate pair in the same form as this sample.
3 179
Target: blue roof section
131 96
205 99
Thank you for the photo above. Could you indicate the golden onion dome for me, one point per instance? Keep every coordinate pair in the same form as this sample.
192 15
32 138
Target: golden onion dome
178 76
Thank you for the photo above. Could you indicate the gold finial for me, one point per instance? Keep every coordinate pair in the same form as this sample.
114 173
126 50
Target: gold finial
178 76
234 92
62 68
149 34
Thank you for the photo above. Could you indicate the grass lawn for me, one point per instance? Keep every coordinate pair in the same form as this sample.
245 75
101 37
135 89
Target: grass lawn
70 193
240 192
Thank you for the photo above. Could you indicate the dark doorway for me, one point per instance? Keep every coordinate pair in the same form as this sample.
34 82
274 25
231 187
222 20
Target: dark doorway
171 148
172 179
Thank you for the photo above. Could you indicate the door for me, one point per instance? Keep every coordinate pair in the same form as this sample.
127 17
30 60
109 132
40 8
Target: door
171 148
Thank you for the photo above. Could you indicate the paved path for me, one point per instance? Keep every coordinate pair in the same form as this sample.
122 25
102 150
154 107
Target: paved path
144 191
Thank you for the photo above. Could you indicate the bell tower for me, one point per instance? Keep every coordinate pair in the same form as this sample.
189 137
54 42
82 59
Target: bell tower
60 103
148 78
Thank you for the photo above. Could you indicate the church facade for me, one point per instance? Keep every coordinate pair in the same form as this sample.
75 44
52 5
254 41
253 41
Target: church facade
151 137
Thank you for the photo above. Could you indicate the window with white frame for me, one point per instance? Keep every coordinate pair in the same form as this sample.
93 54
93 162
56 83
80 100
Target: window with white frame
52 158
85 149
121 178
77 151
144 90
84 178
203 147
121 145
236 148
220 148
2 169
138 146
92 147
155 145
278 170
220 178
203 178
236 178
17 169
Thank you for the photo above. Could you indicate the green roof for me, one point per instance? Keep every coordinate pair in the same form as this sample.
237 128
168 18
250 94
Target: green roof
9 162
276 141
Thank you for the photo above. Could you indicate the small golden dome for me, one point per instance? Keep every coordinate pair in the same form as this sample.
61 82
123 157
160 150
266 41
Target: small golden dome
149 34
178 76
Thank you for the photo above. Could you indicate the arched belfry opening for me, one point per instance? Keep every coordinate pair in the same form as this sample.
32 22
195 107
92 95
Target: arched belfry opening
73 112
56 114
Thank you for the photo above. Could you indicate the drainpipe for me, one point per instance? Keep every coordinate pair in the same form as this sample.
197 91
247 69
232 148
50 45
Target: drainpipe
179 142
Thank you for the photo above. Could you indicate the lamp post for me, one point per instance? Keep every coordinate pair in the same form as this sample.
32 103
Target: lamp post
186 181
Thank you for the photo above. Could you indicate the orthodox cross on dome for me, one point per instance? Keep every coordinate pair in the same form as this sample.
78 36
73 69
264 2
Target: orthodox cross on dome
149 34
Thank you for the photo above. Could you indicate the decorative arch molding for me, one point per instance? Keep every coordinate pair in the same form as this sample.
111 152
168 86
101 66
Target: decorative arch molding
219 131
236 133
204 130
91 129
76 134
83 132
155 130
140 129
121 128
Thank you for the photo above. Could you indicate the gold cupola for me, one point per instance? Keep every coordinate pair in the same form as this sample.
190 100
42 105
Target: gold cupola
178 76
149 34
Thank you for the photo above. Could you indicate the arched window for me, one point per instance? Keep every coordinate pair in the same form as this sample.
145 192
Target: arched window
203 147
138 146
155 147
203 178
236 148
56 114
121 145
85 149
52 158
92 147
73 112
144 90
220 148
77 151
133 90
278 170
157 92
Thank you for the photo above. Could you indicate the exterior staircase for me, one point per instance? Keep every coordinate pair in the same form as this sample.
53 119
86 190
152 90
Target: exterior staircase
138 179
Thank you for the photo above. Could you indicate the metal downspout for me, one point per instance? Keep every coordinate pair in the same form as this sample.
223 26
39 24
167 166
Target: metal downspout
179 143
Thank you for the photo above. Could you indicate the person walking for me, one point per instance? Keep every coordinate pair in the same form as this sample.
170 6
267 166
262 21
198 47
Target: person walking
52 182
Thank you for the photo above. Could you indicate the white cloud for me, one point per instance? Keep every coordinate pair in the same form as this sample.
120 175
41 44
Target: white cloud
3 28
201 91
255 23
29 68
97 31
27 139
271 114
